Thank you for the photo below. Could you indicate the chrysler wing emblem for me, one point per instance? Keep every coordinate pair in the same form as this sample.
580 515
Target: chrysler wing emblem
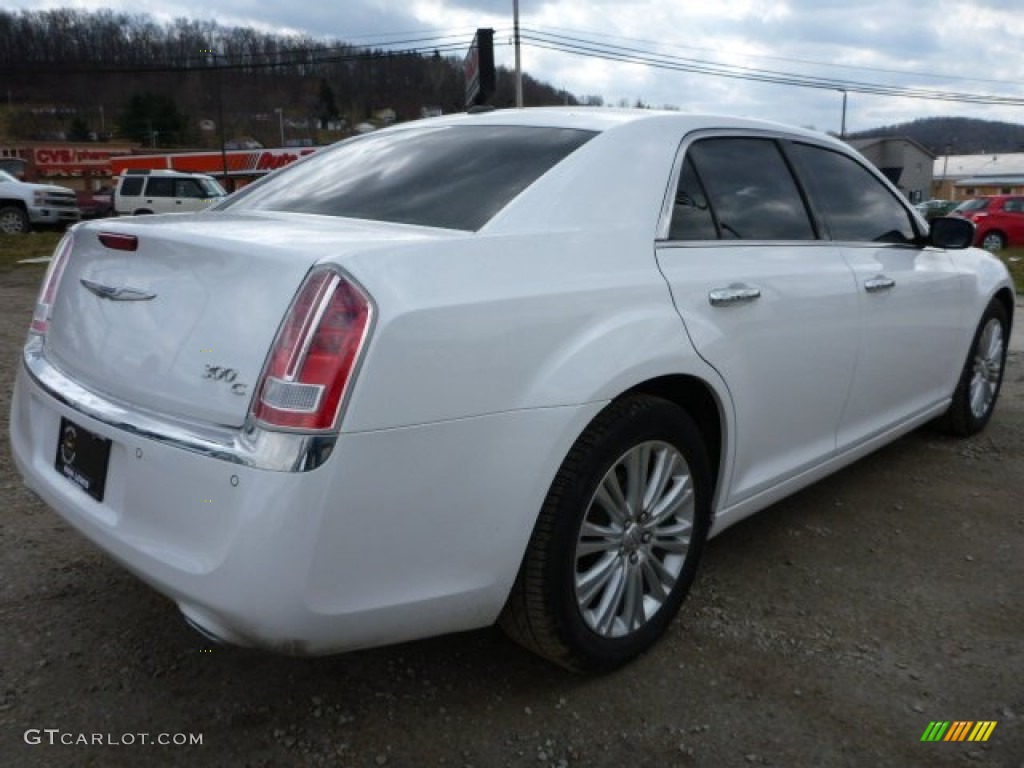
117 293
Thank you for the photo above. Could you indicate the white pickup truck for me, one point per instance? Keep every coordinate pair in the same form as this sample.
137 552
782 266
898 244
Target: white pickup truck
24 205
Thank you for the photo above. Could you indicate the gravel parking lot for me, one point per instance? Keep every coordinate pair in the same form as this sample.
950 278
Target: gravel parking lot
829 630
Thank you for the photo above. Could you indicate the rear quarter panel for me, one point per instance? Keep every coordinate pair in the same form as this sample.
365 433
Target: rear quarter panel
505 323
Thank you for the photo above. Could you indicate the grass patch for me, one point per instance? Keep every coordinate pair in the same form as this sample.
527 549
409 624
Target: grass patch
14 248
1014 260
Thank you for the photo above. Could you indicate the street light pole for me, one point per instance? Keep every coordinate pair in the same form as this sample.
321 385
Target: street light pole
280 122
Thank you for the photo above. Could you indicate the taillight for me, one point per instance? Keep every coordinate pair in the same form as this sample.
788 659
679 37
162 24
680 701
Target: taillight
314 355
44 304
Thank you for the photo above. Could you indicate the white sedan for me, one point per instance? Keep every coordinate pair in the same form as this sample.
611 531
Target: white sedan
514 366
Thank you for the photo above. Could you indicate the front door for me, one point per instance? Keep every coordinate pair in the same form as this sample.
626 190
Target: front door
911 348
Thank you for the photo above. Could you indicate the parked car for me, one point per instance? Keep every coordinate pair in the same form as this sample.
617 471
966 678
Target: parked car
933 209
24 205
999 220
96 204
514 366
161 191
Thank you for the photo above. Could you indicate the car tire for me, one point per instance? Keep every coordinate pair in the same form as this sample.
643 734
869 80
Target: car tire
993 241
13 220
616 545
982 376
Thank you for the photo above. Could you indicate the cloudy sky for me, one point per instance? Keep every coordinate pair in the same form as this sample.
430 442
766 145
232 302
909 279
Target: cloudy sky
946 46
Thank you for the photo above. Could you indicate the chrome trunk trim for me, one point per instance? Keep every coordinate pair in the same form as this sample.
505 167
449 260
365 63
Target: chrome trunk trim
251 446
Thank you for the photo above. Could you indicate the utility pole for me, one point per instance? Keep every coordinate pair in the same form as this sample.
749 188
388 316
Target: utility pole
842 129
519 64
945 167
220 120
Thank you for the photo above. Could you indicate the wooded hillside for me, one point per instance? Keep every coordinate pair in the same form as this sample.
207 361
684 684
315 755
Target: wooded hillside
955 135
74 73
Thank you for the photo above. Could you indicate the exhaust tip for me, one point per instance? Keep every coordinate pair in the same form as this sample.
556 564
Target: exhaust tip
210 629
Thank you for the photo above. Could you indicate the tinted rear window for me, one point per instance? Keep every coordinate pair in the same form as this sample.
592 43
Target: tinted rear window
751 190
455 177
160 187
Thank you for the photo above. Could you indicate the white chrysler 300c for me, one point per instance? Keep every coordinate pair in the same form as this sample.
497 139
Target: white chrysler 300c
514 366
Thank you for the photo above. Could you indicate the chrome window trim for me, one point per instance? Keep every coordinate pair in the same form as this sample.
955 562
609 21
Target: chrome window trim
252 446
845 244
665 219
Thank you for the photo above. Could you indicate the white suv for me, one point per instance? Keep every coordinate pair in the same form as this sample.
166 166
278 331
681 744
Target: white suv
142 191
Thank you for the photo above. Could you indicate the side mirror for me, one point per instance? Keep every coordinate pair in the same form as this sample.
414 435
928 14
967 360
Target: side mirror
951 232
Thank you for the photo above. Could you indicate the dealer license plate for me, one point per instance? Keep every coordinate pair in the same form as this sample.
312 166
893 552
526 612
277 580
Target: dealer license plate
82 458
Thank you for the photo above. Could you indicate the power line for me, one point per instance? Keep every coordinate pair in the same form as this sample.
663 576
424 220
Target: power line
625 54
791 60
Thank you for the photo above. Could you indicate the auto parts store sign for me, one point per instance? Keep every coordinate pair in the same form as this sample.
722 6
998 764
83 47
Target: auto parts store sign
239 162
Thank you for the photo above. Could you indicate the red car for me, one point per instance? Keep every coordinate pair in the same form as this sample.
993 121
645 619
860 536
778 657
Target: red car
999 219
96 204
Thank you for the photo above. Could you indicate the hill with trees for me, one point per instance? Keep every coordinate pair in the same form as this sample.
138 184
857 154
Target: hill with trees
77 74
955 135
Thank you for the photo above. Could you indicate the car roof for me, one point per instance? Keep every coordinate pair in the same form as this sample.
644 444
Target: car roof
603 119
142 173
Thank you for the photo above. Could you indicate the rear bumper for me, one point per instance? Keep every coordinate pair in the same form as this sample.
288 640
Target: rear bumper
403 533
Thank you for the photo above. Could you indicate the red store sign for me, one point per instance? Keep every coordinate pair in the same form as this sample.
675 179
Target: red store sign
72 160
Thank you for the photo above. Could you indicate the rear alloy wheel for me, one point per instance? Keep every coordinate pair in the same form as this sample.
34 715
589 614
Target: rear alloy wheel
993 241
978 389
13 220
617 543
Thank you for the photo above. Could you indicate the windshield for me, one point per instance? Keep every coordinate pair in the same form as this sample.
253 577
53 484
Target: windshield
455 177
5 176
212 187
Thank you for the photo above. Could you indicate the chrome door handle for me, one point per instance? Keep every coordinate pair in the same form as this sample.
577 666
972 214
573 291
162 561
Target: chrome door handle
734 294
879 283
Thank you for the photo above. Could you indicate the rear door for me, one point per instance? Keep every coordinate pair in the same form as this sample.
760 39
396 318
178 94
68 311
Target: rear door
159 197
767 303
910 300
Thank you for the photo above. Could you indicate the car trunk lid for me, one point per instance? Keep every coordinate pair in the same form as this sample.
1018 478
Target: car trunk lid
182 324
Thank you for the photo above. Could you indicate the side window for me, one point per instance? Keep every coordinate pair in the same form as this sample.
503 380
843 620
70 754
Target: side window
751 190
187 188
856 205
131 186
160 187
691 216
1014 205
